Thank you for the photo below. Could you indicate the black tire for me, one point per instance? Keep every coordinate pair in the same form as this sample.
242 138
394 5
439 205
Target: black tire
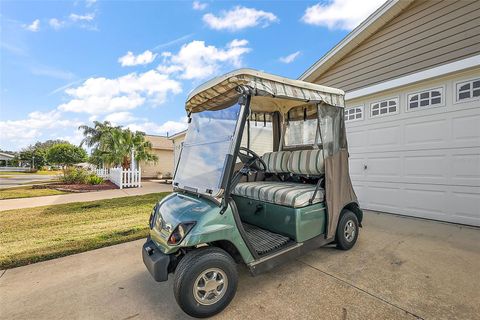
190 269
344 238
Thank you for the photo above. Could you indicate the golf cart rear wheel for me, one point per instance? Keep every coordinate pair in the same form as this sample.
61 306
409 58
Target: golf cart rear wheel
205 282
347 230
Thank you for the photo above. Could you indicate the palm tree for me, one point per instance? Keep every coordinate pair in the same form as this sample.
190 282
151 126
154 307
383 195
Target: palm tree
94 135
115 145
128 146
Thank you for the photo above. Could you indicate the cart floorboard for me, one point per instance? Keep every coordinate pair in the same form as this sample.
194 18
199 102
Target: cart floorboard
264 241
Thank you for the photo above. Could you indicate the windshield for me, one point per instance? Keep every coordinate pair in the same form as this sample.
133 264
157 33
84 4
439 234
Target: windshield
208 141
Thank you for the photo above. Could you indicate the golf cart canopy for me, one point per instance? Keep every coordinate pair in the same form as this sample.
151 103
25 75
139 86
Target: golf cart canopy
270 93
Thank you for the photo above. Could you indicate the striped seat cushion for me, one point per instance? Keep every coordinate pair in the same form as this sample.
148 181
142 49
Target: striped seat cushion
276 161
306 162
283 193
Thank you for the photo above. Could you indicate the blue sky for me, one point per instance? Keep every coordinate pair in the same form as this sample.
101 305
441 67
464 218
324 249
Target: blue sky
64 63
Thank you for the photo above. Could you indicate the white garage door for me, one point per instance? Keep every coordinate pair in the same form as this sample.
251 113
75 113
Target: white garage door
422 162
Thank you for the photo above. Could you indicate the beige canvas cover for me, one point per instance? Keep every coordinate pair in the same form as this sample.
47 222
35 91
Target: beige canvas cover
270 93
338 187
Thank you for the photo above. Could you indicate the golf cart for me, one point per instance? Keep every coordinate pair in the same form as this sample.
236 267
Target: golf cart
262 178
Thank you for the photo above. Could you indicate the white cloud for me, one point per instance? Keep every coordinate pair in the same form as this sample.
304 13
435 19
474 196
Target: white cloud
89 3
86 17
290 58
123 117
340 14
56 23
74 138
170 127
196 60
35 125
197 5
130 59
103 95
34 26
239 18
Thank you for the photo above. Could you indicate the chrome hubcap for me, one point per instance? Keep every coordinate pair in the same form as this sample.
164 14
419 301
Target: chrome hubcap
349 231
210 286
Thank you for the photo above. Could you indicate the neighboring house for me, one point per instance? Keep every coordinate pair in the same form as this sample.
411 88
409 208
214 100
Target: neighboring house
411 73
162 147
6 159
177 140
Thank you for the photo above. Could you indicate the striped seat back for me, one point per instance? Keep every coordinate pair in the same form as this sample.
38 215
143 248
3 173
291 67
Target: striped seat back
277 162
306 162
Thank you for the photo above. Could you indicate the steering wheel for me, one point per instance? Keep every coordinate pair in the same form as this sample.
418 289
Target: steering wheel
251 160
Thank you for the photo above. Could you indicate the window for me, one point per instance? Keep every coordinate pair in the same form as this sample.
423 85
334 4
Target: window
300 132
425 99
468 90
355 113
384 107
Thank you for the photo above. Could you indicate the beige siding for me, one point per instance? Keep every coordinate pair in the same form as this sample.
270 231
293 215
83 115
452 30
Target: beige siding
425 35
163 165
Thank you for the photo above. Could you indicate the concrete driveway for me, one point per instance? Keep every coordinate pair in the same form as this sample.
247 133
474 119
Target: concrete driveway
401 268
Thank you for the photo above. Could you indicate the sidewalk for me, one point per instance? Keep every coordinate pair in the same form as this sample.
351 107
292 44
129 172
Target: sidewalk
147 187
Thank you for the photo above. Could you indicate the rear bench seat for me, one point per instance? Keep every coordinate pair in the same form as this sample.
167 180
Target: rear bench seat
296 195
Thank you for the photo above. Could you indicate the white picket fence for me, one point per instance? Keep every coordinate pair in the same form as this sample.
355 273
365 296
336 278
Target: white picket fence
122 178
102 173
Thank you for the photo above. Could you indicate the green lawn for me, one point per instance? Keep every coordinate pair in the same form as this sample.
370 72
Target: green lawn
27 192
42 233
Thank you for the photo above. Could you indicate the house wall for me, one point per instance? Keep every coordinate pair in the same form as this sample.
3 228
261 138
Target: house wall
163 165
426 34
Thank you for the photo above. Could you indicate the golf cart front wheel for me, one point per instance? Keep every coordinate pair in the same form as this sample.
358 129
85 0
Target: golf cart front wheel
205 282
347 230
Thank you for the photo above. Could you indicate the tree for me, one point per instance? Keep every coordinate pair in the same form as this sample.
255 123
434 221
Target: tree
115 145
66 154
36 154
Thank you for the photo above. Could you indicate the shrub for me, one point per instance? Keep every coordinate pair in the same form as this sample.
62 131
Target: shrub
94 179
74 175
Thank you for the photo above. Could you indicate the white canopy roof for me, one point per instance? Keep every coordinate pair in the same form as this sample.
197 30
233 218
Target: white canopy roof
269 92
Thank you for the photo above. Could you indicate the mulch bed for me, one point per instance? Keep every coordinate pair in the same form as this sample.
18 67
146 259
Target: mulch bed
107 185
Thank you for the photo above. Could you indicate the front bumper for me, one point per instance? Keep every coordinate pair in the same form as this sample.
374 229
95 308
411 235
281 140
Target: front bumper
157 262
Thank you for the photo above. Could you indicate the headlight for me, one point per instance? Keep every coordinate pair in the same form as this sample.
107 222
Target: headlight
180 232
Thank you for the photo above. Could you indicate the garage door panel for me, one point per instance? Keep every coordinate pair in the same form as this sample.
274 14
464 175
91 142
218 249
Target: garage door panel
442 166
385 197
466 205
426 166
426 132
357 140
422 199
384 167
378 137
440 202
356 167
466 167
466 129
361 191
